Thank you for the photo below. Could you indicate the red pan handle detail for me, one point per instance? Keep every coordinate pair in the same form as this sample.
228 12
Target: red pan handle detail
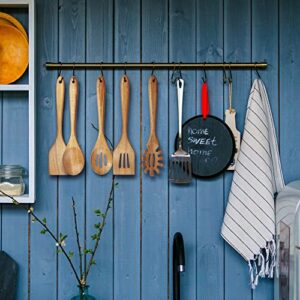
205 100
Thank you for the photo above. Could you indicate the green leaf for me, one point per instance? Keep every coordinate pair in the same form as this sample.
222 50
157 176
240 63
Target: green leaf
98 212
44 220
58 251
71 254
88 251
94 236
43 231
62 237
93 262
97 225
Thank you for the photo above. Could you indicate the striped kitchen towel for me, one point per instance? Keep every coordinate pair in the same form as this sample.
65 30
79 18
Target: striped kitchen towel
249 221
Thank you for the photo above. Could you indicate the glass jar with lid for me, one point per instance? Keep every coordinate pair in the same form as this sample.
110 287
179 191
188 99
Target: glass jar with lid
11 180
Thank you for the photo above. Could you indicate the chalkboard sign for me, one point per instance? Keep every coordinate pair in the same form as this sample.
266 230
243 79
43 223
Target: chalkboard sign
210 143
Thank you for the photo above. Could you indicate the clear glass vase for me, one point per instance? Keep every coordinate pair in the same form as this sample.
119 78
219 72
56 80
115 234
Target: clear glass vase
83 294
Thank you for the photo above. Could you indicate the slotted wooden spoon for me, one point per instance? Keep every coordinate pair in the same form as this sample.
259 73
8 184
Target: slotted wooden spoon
124 156
153 159
73 158
101 157
56 152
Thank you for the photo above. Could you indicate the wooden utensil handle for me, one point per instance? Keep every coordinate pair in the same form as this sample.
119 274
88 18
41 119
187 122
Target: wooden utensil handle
101 91
125 91
60 101
73 103
152 88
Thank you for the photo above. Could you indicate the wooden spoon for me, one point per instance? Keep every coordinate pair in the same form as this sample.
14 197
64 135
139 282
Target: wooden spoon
124 156
73 158
56 152
101 157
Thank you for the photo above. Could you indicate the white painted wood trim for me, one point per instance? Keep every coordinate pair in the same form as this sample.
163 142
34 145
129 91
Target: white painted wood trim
14 87
30 87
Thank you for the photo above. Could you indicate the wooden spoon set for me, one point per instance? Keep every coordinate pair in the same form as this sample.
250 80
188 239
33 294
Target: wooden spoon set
69 159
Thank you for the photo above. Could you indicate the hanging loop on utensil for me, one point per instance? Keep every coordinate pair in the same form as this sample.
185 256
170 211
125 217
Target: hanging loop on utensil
257 73
204 78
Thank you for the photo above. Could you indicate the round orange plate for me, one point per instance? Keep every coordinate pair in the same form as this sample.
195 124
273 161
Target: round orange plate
13 54
10 20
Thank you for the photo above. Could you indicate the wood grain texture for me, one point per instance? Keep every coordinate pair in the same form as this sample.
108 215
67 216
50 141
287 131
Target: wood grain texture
43 258
237 47
155 276
289 88
99 48
72 20
127 196
101 156
124 155
134 258
73 159
182 199
57 150
210 254
265 28
15 151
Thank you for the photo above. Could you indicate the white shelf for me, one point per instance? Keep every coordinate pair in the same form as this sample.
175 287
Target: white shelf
21 199
14 87
30 87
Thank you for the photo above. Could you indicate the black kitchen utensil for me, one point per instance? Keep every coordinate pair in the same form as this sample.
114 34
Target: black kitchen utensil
208 140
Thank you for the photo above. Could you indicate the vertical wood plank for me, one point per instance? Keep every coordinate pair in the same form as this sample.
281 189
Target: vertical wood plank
15 151
289 88
264 38
155 198
210 206
43 251
182 199
127 196
99 48
72 41
237 47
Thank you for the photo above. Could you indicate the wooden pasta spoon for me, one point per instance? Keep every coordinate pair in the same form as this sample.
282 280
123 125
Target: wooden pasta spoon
153 159
101 157
56 152
73 158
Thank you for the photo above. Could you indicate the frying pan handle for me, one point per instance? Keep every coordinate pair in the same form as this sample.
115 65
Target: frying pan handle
180 86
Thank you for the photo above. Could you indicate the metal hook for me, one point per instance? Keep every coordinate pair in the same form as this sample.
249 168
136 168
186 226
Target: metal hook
257 73
173 76
224 76
179 70
73 72
101 69
59 72
153 66
204 79
230 74
125 68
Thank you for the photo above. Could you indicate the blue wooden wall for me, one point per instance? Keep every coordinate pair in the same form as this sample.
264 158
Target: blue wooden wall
134 258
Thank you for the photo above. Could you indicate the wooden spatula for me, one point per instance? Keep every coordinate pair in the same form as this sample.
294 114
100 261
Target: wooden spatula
153 159
56 152
124 156
73 158
101 157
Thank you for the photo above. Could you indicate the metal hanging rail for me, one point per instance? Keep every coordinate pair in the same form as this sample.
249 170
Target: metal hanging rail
154 65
